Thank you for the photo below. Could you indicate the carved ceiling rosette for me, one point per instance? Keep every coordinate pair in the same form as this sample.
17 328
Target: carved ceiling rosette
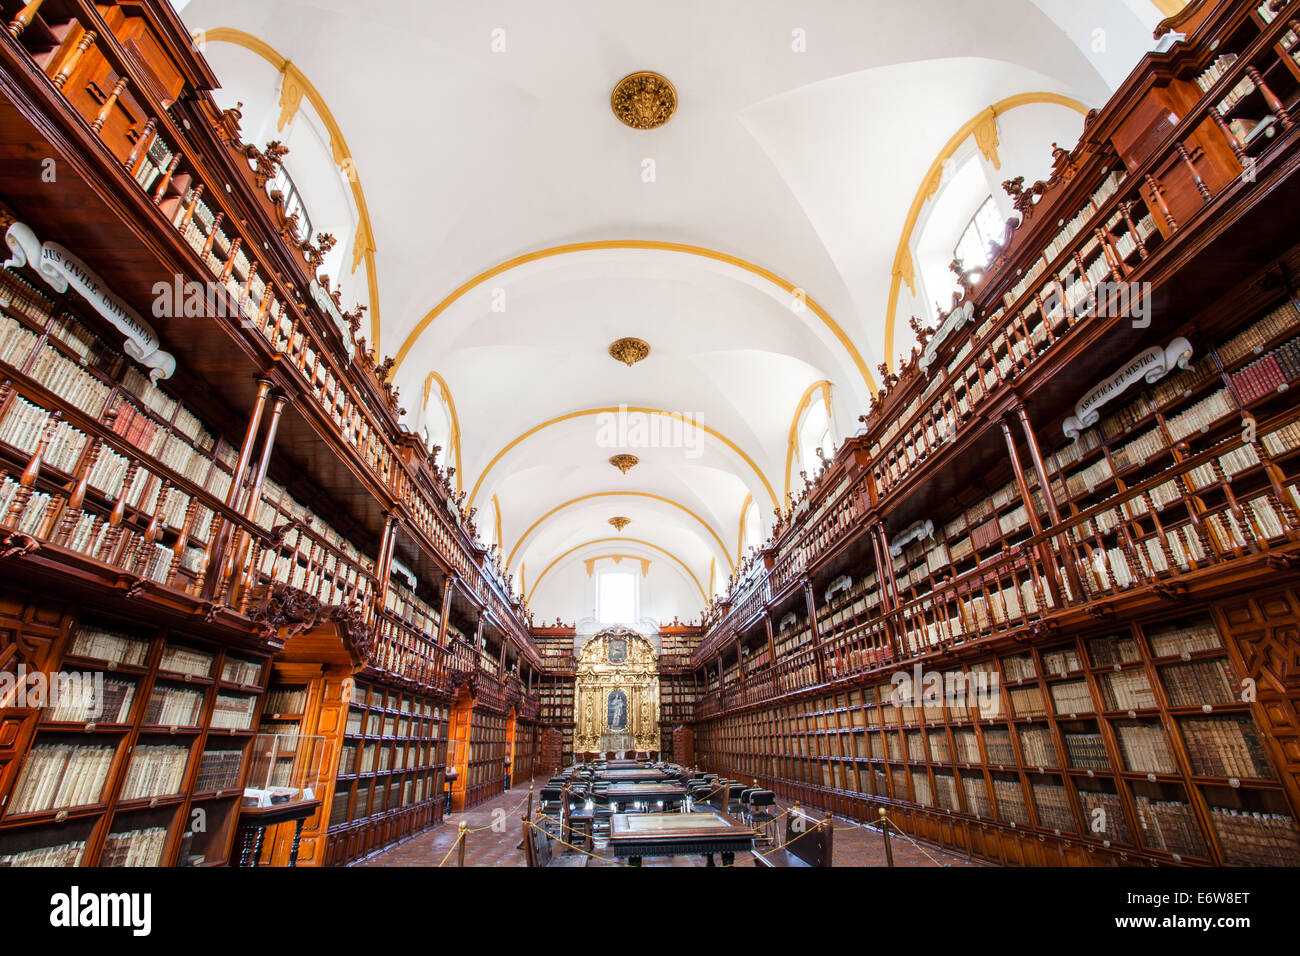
644 100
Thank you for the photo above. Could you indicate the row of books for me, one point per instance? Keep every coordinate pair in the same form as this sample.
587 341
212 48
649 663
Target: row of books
1269 374
236 670
1198 683
1145 748
190 661
1086 751
1169 825
286 700
1010 799
100 643
61 855
1227 746
56 776
83 704
1126 690
65 378
174 707
16 341
156 770
219 770
234 712
1256 838
1026 702
135 848
1221 65
19 295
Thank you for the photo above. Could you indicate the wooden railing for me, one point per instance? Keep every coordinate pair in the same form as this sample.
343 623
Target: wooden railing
171 154
1108 219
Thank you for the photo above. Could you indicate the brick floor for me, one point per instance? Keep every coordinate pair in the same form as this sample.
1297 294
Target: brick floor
854 845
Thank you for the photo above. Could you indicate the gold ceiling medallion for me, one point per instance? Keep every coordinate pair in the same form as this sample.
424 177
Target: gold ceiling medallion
643 100
620 523
629 351
624 462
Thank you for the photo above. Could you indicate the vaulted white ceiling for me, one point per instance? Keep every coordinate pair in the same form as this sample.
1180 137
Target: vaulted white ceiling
520 228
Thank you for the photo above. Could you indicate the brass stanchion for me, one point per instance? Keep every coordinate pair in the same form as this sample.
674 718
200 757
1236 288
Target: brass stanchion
462 837
529 814
884 828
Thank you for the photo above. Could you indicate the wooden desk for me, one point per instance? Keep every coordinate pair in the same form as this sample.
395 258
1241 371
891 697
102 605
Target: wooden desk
253 822
621 794
648 775
636 835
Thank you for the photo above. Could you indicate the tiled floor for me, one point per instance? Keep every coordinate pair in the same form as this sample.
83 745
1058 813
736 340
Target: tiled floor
496 833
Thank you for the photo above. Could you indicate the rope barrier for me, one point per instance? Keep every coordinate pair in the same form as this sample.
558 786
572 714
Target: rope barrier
460 835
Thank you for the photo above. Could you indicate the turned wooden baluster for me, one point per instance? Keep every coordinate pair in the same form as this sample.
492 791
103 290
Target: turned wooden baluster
230 259
1171 562
1126 210
1233 142
166 179
212 237
27 480
72 513
109 544
70 64
24 19
183 540
1157 193
109 103
1245 523
153 531
140 151
186 219
1196 176
1274 104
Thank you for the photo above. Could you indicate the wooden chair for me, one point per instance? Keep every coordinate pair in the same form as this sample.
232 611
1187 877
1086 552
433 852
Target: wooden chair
537 850
808 842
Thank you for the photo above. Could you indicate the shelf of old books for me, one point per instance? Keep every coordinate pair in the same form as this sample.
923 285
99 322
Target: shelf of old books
390 768
131 748
1136 739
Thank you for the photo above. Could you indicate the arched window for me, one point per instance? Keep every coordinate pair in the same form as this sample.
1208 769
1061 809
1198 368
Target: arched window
814 433
752 522
985 226
616 597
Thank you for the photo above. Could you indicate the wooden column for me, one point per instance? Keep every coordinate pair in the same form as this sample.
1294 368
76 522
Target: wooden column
811 600
1053 513
214 560
447 586
382 563
1035 523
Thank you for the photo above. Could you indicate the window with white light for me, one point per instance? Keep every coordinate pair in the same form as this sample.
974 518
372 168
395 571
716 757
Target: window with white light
984 227
616 597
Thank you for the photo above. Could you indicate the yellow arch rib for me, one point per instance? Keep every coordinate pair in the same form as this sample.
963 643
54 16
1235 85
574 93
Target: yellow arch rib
904 270
338 145
614 410
445 392
740 537
825 387
576 247
607 494
586 544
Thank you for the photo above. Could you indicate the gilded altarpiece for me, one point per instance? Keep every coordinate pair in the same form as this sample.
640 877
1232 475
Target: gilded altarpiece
617 697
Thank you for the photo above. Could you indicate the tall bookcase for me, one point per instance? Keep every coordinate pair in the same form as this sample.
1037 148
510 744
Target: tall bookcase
1140 738
140 759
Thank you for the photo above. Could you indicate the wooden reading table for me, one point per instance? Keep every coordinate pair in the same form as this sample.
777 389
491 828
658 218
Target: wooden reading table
636 835
621 794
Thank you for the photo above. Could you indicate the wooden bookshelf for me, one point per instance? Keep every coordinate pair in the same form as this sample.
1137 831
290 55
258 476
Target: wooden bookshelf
148 770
